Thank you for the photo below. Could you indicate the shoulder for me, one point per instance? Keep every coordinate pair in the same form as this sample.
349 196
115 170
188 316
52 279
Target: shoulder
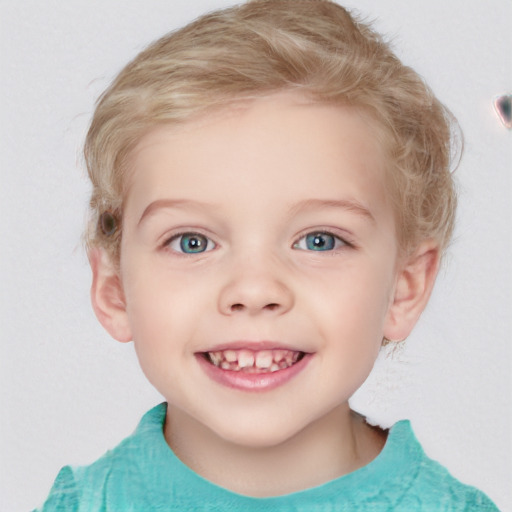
431 486
434 488
64 496
92 487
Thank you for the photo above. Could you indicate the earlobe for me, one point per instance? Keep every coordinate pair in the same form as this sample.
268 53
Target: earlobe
107 296
414 285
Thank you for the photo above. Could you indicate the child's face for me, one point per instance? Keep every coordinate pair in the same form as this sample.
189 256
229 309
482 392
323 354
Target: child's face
265 228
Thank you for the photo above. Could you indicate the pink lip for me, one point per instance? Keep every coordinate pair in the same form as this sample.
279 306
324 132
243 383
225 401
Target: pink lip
250 345
242 381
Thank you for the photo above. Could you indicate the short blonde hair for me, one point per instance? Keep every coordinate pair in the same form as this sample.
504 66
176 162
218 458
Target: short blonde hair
262 47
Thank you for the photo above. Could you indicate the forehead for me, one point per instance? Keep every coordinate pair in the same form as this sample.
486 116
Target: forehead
279 148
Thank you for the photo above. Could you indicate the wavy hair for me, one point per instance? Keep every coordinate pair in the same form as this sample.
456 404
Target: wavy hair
262 47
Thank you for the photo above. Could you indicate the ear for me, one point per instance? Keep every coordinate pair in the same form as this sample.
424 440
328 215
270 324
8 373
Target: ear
415 281
107 296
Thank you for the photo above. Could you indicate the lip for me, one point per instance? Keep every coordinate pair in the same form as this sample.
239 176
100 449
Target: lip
251 345
252 382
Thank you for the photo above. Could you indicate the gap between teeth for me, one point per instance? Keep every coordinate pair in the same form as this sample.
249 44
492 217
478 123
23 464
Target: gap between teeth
251 361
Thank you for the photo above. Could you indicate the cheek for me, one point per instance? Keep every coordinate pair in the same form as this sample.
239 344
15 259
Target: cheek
355 291
351 309
163 304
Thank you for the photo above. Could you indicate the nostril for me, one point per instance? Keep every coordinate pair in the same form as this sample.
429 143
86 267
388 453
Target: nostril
240 307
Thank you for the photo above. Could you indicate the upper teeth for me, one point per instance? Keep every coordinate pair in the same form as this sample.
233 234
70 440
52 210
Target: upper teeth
251 361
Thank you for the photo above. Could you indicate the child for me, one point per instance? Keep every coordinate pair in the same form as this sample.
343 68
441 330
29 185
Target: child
271 200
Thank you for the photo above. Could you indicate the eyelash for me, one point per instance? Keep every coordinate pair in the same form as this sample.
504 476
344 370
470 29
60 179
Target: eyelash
334 242
180 238
321 237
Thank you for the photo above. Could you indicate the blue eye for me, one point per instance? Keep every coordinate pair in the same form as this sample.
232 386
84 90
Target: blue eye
319 241
191 243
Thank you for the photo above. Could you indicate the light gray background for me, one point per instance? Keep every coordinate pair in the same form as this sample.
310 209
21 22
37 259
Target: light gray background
68 392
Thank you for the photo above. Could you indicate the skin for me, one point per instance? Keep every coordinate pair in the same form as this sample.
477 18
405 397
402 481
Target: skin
255 182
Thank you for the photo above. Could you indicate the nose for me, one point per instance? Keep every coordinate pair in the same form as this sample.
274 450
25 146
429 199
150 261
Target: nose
254 288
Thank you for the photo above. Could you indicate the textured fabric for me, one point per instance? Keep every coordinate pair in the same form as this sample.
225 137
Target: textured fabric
143 474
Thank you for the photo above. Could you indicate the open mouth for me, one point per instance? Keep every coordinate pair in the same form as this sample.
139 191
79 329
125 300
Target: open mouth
254 361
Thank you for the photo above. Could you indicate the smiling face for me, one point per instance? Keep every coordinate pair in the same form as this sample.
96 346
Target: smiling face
259 266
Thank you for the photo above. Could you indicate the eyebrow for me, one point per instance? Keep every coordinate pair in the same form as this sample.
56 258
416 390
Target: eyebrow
302 206
159 204
343 204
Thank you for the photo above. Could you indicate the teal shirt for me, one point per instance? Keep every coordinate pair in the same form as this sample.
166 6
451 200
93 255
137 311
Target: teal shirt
143 474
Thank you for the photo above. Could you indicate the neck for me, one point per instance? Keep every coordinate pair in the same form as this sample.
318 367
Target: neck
335 445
